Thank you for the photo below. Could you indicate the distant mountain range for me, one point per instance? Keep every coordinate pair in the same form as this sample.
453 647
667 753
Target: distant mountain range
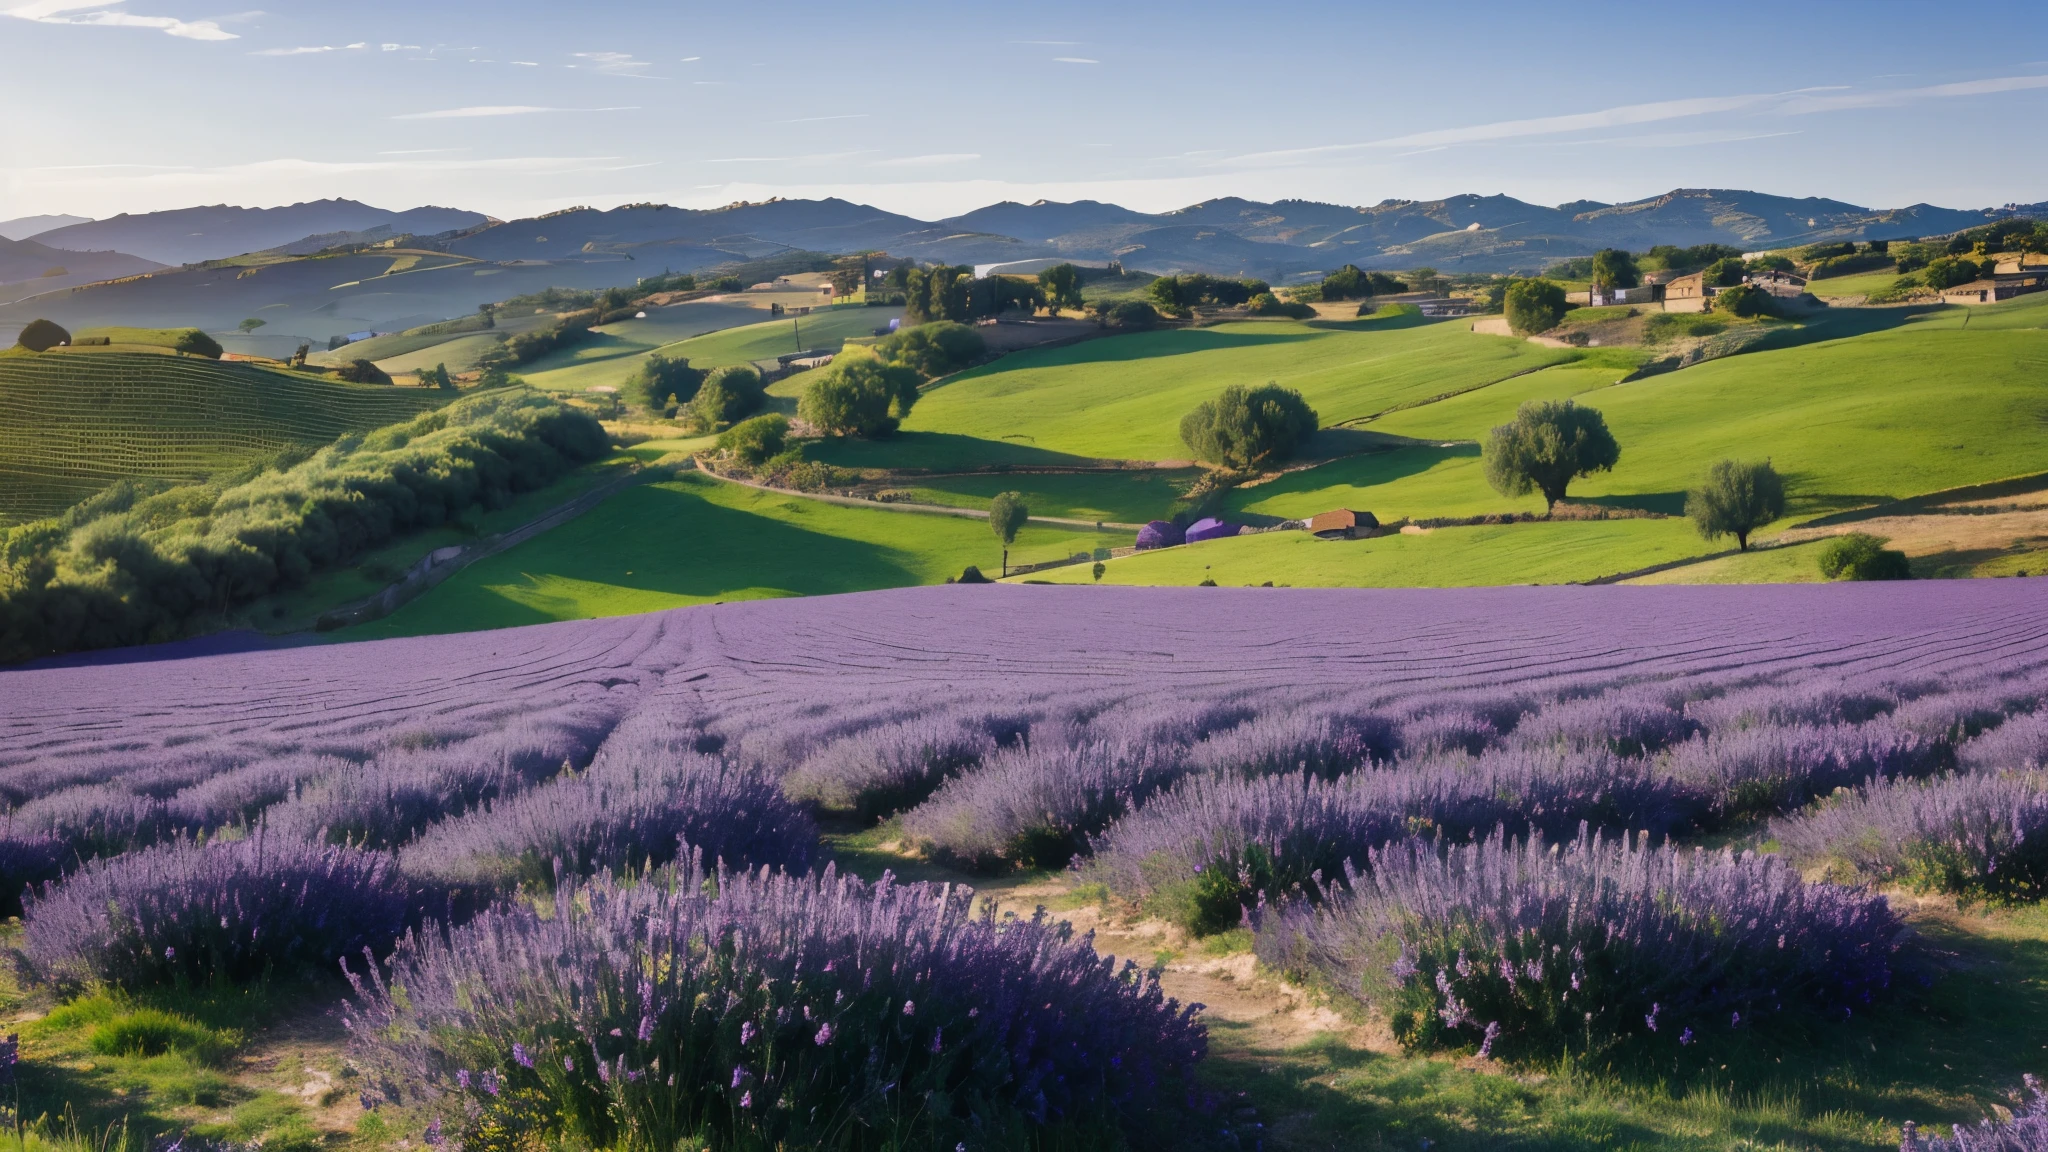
192 235
1289 238
27 226
1280 241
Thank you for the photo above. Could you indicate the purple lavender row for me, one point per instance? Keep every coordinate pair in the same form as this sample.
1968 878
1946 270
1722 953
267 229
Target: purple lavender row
783 1011
2025 1131
1982 836
1607 950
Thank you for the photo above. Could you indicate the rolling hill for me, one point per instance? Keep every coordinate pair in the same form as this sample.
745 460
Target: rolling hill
72 423
29 268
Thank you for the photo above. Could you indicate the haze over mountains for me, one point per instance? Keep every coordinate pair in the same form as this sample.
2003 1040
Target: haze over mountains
190 235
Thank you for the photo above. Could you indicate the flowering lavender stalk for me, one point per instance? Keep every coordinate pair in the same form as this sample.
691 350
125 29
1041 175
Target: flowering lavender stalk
1628 722
234 912
1600 946
2027 1131
1974 836
1037 805
882 770
1767 770
783 1011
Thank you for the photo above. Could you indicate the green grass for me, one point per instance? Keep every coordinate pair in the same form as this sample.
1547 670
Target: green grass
694 540
1555 552
1123 397
1860 284
71 425
1850 422
710 334
155 337
1790 564
1131 497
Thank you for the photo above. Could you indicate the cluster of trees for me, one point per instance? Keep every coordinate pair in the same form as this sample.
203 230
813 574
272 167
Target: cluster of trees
951 292
1060 288
1130 315
1178 294
143 562
1267 304
2014 234
1617 268
436 377
727 396
361 371
1349 283
663 380
528 346
1945 272
1249 428
868 391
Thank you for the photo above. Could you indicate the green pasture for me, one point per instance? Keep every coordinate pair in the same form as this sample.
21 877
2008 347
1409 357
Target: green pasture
1789 564
1860 284
1542 552
459 353
1917 408
71 425
708 333
1123 397
694 540
1125 497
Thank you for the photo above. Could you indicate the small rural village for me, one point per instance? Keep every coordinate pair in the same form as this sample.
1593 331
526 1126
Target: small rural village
685 578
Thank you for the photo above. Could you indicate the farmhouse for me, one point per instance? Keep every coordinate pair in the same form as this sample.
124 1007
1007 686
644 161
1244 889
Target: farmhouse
2011 278
1687 293
1342 524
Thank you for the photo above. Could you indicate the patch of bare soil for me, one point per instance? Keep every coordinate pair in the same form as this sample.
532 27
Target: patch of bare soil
1953 538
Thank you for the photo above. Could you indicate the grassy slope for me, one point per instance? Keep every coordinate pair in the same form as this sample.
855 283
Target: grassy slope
1538 553
1124 397
710 334
1118 497
694 540
71 424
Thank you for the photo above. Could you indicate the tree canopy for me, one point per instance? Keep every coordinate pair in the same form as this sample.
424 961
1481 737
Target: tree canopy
1735 500
1249 427
1533 306
1614 268
660 379
861 394
934 349
1006 515
727 395
436 377
41 336
1549 444
1349 283
360 371
755 440
1061 287
1725 272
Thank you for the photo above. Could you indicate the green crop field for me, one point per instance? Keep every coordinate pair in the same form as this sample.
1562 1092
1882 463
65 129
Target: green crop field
1861 284
70 425
1553 552
693 540
708 333
1123 397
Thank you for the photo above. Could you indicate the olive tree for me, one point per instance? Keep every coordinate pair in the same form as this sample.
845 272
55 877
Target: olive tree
1006 514
1735 500
1533 306
1249 427
1546 446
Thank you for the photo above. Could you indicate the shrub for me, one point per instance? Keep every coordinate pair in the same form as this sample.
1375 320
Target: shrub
728 395
1949 271
192 915
1249 427
41 336
362 372
629 813
1744 772
661 380
934 349
1736 500
1133 315
774 1011
193 342
1533 306
1745 301
1977 837
754 441
1861 556
874 773
1267 304
1549 444
1610 950
859 395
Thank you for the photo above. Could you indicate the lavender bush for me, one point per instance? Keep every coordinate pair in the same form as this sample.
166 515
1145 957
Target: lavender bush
1319 744
1631 722
1602 948
1764 770
1974 836
781 1012
193 915
2021 742
2027 1131
883 770
1036 806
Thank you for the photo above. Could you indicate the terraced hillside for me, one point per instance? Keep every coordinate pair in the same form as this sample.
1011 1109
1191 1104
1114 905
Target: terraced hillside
73 424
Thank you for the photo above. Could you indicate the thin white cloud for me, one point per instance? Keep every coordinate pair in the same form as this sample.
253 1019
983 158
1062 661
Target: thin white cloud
613 63
926 161
1797 102
501 110
1074 60
527 63
691 59
399 47
310 51
103 14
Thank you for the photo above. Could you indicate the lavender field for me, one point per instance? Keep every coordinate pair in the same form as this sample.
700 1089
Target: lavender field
1628 829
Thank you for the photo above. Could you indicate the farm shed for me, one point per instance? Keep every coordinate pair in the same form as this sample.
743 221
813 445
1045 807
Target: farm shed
1342 524
1687 293
1160 534
1210 529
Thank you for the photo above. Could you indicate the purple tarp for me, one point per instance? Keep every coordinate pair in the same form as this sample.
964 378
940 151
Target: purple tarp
1210 529
1160 534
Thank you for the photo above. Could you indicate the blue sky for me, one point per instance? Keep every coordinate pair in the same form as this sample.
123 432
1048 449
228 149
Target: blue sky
514 108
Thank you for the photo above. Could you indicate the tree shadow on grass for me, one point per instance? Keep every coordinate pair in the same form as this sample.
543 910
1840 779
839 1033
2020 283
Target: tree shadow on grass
938 452
1667 503
1138 346
1363 471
